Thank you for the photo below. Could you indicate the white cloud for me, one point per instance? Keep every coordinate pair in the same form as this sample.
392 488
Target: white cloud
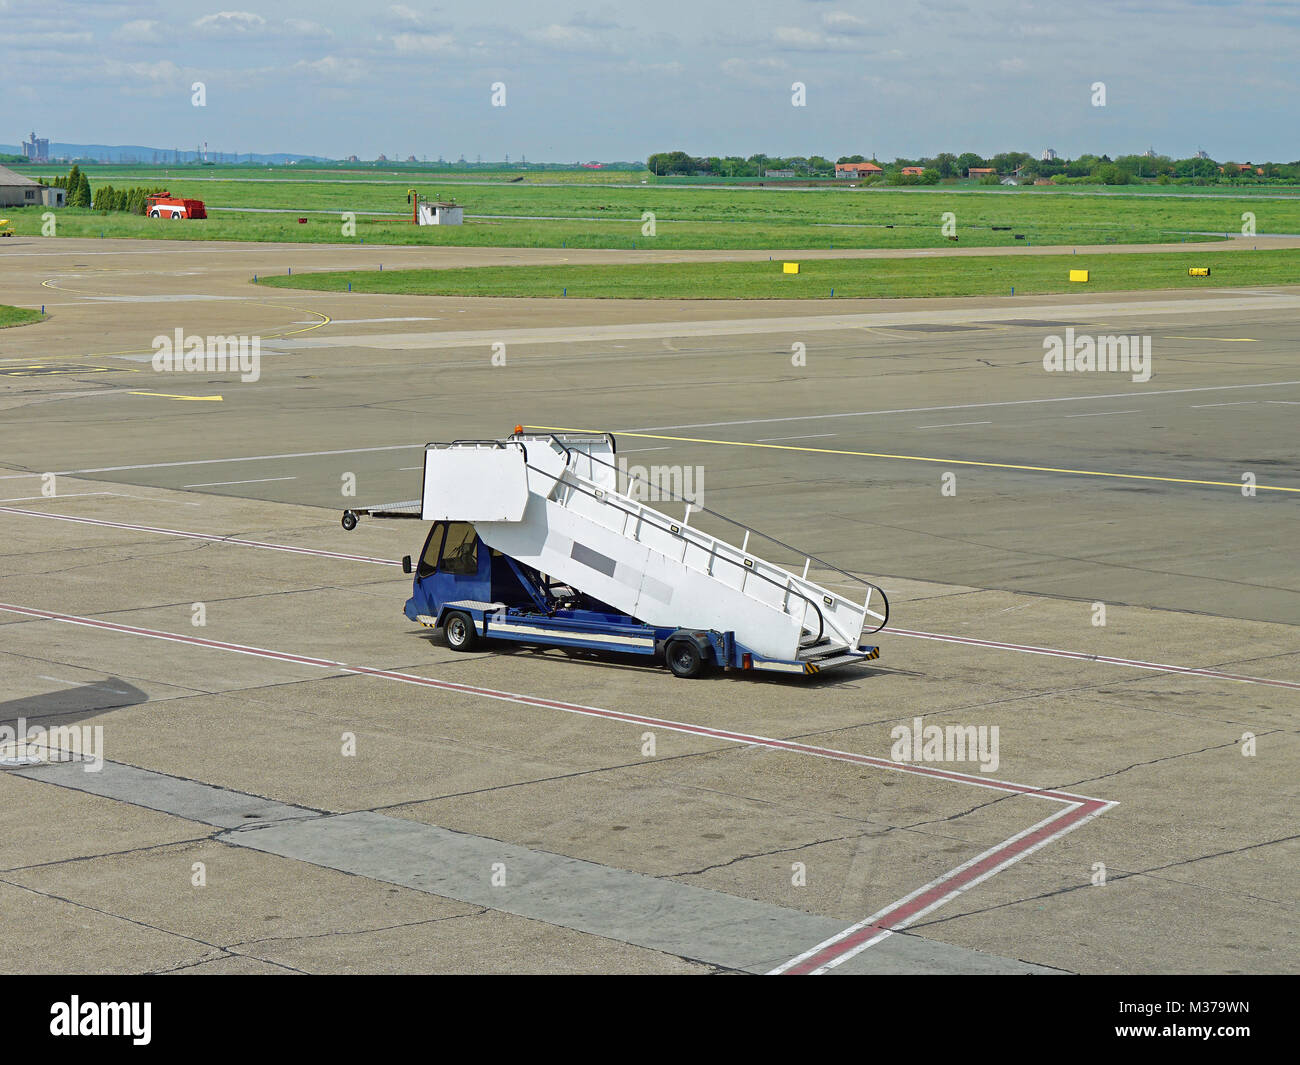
568 37
1012 66
332 68
423 43
139 31
231 24
752 70
844 23
844 31
409 18
304 28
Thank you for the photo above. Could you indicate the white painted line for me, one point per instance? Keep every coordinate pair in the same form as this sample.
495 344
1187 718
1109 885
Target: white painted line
961 406
366 321
209 537
1103 413
775 439
1080 656
69 495
209 462
1240 403
636 450
952 425
943 889
218 484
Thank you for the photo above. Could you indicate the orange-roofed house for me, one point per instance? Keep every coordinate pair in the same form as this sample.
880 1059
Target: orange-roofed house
856 170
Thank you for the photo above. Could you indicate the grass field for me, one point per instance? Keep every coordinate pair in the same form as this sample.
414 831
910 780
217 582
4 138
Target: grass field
607 231
17 316
818 279
588 215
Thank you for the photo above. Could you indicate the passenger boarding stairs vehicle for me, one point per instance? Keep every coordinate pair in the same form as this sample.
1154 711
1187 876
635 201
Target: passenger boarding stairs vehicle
534 542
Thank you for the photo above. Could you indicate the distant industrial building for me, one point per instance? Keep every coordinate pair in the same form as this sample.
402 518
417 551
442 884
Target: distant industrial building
1048 156
19 191
36 149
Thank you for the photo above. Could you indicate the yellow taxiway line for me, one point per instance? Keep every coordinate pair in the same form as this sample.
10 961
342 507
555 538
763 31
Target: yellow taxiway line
925 458
168 395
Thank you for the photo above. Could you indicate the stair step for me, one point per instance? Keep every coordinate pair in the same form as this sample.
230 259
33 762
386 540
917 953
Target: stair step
822 650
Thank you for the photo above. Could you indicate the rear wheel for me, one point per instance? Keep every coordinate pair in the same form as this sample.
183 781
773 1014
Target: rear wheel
685 658
460 632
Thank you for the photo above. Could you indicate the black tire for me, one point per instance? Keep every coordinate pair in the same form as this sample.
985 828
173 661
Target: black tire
459 629
685 659
155 213
349 521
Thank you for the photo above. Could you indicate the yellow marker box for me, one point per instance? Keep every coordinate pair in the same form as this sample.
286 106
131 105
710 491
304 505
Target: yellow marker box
1198 271
1078 275
789 268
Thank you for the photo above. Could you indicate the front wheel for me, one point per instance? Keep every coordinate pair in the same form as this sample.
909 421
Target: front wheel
460 632
685 658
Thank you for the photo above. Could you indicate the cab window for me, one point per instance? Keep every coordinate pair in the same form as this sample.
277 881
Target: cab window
432 547
460 552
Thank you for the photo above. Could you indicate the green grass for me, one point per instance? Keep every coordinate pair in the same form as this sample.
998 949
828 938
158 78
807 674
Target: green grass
973 276
609 231
17 316
603 216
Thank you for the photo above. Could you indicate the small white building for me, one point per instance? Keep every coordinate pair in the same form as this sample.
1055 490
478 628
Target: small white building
440 214
1048 156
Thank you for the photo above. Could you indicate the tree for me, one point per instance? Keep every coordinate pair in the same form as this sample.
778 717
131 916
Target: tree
967 160
672 163
946 164
78 188
1110 174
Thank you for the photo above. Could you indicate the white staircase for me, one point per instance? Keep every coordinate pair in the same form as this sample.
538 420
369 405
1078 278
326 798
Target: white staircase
552 503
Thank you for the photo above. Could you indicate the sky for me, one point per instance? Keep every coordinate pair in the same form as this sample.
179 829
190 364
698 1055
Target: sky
590 80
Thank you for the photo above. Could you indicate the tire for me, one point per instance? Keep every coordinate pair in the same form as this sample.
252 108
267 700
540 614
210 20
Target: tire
685 659
349 521
458 627
155 213
177 216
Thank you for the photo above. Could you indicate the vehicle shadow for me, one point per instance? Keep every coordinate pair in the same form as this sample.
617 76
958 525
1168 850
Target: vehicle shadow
69 706
626 663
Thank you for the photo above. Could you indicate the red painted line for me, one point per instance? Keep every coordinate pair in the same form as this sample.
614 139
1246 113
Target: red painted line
939 891
555 704
969 641
211 538
1079 807
1055 652
1108 660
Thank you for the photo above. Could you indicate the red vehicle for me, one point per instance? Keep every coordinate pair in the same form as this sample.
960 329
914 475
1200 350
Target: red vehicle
165 205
